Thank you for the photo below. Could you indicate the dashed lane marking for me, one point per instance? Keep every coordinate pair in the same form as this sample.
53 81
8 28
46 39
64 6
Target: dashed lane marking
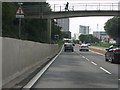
105 70
83 56
93 63
87 59
96 64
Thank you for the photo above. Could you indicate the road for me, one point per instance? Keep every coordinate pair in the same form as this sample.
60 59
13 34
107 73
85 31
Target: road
79 70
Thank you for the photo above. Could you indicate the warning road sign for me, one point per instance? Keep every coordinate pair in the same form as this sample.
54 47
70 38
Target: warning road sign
20 11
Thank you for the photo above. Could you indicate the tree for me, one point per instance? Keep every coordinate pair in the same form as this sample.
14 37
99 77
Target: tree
112 27
9 27
56 31
31 29
88 39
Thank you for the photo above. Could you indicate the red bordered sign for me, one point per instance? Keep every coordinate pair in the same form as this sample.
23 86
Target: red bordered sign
19 13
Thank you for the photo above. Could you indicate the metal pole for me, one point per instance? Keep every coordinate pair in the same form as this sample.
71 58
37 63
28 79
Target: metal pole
86 7
49 30
112 6
99 6
60 7
73 8
19 28
54 7
20 4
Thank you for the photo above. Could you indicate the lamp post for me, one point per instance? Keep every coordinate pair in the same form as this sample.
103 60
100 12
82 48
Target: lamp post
20 15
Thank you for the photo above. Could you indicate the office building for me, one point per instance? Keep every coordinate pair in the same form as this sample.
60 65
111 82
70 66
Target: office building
84 29
64 24
101 35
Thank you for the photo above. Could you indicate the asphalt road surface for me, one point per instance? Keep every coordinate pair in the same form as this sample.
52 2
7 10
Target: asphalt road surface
79 70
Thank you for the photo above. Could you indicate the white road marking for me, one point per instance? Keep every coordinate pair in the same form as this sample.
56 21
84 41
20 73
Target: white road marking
97 53
83 56
36 77
118 79
93 63
87 59
105 70
96 64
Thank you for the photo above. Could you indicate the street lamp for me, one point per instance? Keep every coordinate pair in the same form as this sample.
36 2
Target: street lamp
20 15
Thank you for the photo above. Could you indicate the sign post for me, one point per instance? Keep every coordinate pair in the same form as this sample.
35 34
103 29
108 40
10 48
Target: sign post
20 15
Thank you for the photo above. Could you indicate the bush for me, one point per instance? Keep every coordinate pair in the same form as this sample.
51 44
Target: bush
103 44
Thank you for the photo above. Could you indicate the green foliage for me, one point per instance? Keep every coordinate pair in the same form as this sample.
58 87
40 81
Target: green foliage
103 45
112 27
31 29
65 35
35 30
76 41
55 31
9 22
88 39
60 43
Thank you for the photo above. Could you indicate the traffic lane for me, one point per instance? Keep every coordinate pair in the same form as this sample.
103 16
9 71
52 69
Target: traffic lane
70 70
99 60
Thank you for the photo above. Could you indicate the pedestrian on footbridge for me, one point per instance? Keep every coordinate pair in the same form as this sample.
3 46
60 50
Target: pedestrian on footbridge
66 7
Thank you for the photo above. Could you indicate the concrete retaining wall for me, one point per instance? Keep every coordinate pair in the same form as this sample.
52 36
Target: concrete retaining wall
18 56
0 63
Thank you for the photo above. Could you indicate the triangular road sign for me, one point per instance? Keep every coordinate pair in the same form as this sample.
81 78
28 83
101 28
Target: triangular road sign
19 11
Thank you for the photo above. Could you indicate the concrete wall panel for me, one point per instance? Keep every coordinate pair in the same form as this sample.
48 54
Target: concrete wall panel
18 56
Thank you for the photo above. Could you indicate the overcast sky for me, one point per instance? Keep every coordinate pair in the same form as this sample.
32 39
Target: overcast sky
87 21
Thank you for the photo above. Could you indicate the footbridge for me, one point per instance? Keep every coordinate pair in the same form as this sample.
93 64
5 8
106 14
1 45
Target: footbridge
74 10
57 11
27 55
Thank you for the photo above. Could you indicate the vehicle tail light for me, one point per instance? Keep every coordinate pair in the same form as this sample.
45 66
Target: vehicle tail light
116 50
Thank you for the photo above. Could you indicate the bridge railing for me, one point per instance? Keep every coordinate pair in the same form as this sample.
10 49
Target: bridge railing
85 6
38 10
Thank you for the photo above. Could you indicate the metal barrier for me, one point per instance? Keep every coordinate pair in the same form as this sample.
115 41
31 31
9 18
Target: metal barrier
86 6
41 10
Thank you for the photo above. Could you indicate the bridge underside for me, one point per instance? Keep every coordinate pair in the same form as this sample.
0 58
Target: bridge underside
70 14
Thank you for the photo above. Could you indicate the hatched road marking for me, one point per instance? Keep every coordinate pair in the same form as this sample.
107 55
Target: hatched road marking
97 53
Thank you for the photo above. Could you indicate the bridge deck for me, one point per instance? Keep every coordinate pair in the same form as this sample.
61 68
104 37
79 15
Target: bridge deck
66 14
75 10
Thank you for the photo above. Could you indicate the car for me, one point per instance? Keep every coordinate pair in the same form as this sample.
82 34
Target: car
68 46
112 54
88 44
84 47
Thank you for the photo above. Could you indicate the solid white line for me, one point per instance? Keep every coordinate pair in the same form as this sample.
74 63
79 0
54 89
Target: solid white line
97 53
93 63
105 70
34 79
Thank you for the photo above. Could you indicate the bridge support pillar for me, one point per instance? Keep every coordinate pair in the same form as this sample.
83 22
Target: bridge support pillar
49 30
